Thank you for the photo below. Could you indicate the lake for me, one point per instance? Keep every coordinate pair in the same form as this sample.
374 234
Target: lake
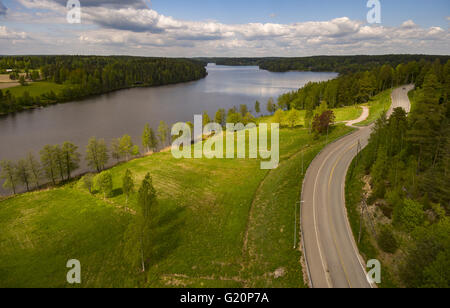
127 111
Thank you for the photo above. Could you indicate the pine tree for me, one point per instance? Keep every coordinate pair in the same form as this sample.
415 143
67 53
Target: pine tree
426 122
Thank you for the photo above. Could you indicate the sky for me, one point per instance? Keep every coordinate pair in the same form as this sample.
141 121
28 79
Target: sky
232 28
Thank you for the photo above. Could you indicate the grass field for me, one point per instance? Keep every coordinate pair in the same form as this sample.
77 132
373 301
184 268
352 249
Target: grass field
342 114
35 88
378 105
222 223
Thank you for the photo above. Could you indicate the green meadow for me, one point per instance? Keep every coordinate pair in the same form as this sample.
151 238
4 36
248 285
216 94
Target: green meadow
378 105
35 88
221 223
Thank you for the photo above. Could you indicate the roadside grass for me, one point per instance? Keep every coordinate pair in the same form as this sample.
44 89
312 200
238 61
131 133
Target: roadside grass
378 105
35 88
272 261
222 223
367 246
342 114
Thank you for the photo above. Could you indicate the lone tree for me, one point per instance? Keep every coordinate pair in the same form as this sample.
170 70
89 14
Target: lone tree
127 184
8 173
322 123
163 132
71 158
97 154
147 202
105 184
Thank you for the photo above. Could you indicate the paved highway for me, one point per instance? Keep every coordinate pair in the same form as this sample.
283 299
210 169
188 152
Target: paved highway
331 254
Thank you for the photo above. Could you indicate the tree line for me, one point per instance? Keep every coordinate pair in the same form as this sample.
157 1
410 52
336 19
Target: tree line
408 159
339 64
92 75
57 163
357 88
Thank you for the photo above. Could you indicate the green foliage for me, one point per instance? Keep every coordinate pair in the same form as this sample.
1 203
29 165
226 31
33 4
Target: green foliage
163 132
127 184
35 169
427 261
220 117
386 239
48 160
258 107
68 78
88 181
70 157
8 174
271 106
97 154
410 216
292 118
206 118
149 140
243 110
148 203
104 183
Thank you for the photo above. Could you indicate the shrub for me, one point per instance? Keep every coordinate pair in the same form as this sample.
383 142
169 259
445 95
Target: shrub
386 239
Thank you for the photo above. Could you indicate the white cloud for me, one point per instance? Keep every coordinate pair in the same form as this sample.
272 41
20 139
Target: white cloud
6 34
136 29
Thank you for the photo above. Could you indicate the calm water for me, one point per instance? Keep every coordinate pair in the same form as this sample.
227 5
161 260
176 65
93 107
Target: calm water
126 112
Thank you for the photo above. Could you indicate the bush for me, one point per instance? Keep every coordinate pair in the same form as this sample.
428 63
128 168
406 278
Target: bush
386 240
410 216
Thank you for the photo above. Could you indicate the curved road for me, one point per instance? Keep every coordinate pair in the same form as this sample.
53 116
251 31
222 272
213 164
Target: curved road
331 254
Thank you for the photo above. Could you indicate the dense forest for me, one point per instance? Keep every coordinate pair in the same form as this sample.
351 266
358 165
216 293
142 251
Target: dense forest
90 75
339 64
356 88
408 160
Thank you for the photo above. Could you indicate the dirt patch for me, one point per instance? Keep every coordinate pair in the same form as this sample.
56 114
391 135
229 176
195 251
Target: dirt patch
5 85
5 78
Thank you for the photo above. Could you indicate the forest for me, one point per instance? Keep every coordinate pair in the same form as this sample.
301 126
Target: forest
357 88
84 76
339 64
407 161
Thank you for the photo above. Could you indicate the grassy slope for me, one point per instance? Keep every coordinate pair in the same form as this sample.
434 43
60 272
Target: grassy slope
35 88
378 105
207 207
342 114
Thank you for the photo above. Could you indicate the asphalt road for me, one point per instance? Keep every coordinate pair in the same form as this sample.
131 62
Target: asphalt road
331 254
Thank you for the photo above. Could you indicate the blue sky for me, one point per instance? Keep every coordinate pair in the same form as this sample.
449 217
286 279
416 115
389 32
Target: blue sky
424 12
224 28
